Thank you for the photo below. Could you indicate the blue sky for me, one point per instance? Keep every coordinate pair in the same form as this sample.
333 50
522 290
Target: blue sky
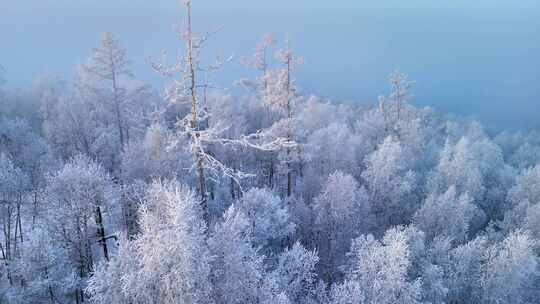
478 58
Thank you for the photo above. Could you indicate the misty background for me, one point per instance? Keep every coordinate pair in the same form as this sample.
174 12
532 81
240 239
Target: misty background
477 59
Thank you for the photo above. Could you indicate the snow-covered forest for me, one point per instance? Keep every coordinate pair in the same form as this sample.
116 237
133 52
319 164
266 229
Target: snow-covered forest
115 191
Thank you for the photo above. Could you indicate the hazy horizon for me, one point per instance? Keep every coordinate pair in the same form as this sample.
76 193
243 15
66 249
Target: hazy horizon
470 59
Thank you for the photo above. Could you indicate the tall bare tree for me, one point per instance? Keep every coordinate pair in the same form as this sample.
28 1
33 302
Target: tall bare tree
400 90
195 125
285 97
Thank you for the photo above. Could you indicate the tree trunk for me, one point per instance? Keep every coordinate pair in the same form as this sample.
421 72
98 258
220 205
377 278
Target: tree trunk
289 180
101 233
194 124
202 190
271 173
20 222
116 101
289 135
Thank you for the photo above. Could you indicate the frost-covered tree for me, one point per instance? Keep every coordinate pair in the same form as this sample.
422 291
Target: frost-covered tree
527 187
42 272
522 201
295 275
100 111
511 271
378 271
283 94
187 90
392 113
70 122
14 184
109 279
390 184
342 212
25 146
329 149
268 216
463 271
196 125
153 157
448 215
348 292
258 89
80 207
168 261
29 152
458 167
110 66
259 61
400 90
434 289
474 164
277 90
238 270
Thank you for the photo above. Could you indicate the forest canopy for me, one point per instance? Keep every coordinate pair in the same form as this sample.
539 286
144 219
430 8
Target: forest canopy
114 191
